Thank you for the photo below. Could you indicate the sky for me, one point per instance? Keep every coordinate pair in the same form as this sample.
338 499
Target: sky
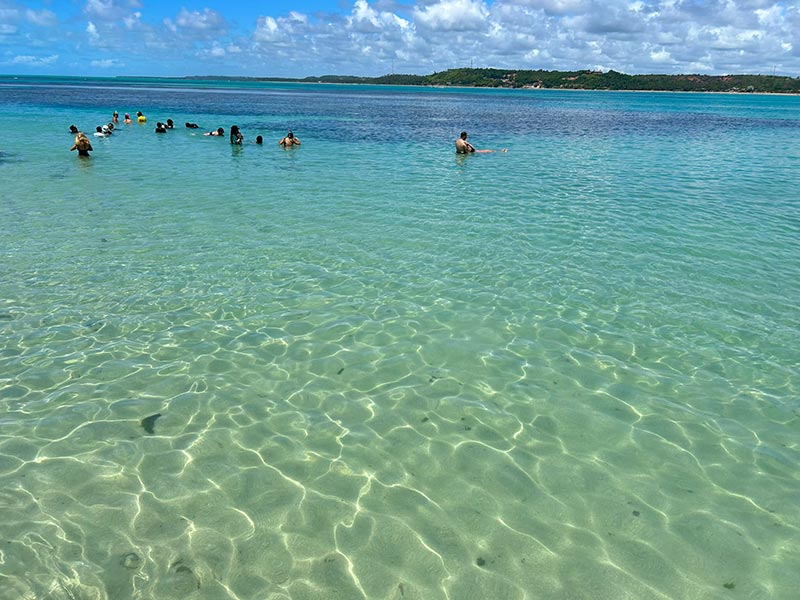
276 38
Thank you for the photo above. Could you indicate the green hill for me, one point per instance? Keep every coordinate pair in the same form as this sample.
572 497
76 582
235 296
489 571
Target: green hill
574 80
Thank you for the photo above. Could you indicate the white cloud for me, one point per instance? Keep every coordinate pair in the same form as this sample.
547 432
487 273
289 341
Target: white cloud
133 20
208 20
452 15
282 29
267 30
8 14
43 18
208 25
35 61
365 19
370 37
221 51
104 10
91 30
660 56
108 63
297 18
552 7
770 17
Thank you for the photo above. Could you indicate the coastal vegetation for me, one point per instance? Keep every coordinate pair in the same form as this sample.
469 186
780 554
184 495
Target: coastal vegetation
575 80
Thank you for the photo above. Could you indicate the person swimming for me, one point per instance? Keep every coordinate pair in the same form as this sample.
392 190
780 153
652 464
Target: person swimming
128 118
464 147
140 117
73 129
192 126
218 132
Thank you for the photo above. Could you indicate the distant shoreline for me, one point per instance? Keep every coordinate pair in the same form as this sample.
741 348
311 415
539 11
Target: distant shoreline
560 80
493 79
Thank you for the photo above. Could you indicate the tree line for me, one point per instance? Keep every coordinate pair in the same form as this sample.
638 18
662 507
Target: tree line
573 80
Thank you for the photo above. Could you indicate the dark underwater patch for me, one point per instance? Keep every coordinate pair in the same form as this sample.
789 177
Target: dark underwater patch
149 422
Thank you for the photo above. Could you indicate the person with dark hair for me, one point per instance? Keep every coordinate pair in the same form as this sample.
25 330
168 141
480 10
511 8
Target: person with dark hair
259 139
73 130
218 132
236 135
289 140
160 128
464 147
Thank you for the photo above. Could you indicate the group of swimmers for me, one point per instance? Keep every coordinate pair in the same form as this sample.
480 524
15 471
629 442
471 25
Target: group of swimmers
237 137
84 146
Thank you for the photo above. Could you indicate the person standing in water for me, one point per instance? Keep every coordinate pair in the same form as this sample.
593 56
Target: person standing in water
82 144
236 135
289 140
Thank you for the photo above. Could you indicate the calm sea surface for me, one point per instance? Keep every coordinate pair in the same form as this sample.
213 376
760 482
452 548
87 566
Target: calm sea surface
367 368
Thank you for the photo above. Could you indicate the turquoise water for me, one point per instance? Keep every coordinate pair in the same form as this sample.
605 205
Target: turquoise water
567 371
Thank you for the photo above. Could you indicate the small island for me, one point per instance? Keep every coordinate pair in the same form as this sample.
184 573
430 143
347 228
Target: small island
566 80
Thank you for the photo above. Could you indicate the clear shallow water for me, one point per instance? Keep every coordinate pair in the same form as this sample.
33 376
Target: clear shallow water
384 371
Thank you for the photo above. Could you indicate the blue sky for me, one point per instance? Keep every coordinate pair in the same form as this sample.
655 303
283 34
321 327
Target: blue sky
375 37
